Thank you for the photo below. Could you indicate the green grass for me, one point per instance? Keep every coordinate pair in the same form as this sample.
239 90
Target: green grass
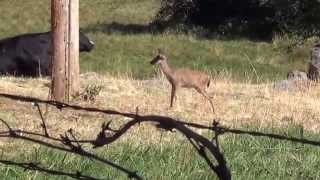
248 158
124 47
264 158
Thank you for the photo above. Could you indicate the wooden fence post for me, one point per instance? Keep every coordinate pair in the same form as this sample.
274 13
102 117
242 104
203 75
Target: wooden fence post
65 49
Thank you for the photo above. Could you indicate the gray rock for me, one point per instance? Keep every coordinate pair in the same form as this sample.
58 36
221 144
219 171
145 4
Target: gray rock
292 85
297 75
296 80
284 85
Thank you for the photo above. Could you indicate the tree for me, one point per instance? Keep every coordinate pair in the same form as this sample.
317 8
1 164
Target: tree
65 49
251 18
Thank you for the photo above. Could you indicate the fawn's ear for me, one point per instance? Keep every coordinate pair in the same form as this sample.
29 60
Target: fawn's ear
160 51
162 57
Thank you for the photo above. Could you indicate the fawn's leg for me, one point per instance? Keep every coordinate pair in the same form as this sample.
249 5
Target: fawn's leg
173 94
205 95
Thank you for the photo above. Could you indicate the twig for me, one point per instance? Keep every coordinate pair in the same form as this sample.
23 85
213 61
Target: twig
64 140
202 144
43 125
36 167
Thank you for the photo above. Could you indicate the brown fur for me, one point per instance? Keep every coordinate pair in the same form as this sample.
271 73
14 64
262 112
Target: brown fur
183 77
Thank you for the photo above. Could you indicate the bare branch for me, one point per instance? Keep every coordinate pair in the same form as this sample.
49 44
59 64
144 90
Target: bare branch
36 167
43 125
65 141
203 145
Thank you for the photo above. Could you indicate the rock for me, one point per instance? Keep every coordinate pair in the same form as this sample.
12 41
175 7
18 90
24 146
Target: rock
292 85
296 80
301 80
283 85
297 75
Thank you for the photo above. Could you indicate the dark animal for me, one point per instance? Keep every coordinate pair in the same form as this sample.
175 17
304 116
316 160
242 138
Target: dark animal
28 55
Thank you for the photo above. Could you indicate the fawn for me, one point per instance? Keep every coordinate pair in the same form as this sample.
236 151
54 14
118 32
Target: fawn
183 77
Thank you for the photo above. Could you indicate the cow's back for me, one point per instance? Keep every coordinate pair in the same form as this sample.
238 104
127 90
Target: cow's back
25 54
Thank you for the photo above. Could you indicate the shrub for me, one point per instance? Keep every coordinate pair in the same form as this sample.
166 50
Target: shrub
256 18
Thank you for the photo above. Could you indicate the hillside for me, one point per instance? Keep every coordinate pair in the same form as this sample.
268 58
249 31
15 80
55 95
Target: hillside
124 45
118 76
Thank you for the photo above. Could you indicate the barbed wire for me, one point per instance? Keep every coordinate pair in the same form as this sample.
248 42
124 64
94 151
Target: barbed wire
68 142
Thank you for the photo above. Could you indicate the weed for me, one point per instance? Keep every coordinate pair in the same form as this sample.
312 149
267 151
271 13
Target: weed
89 93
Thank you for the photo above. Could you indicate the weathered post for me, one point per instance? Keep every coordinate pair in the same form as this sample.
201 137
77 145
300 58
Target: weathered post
314 65
59 36
74 67
65 49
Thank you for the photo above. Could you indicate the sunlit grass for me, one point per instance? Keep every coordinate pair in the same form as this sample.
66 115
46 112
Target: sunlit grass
122 53
124 45
248 158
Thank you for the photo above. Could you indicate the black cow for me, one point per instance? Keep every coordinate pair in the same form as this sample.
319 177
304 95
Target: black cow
28 54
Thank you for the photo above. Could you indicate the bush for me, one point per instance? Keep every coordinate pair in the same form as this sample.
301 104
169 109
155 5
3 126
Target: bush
255 18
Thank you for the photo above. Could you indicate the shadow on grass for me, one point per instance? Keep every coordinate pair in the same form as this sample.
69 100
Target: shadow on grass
158 28
116 27
203 145
37 167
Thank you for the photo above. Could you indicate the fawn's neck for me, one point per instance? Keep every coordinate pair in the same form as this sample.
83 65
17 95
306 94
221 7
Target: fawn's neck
166 69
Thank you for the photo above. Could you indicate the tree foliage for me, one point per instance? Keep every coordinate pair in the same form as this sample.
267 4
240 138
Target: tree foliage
258 18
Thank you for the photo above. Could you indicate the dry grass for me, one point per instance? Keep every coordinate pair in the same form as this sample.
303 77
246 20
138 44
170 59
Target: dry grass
236 104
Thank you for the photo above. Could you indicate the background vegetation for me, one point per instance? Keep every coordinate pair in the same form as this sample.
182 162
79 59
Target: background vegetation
259 19
126 39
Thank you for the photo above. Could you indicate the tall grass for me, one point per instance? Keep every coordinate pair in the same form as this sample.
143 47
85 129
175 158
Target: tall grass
248 158
124 46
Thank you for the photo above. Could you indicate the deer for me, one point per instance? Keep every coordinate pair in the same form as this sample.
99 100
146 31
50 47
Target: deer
183 78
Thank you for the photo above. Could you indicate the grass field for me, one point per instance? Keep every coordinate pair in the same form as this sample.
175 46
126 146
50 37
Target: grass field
124 45
159 155
243 73
248 158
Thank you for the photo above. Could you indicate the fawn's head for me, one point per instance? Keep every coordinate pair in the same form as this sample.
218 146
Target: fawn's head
158 58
